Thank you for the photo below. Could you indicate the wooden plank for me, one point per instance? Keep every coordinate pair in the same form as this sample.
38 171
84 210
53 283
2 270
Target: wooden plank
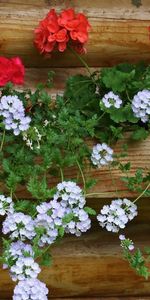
98 298
112 39
91 266
105 8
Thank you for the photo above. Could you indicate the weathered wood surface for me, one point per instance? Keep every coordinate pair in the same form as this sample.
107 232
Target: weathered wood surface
91 265
119 31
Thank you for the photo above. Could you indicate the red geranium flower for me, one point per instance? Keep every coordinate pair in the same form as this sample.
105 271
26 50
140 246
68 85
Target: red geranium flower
56 31
11 70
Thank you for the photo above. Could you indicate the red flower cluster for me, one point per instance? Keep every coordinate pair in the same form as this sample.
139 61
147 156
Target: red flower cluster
57 30
11 70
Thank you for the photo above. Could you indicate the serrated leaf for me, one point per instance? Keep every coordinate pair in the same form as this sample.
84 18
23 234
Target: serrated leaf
46 259
140 134
90 210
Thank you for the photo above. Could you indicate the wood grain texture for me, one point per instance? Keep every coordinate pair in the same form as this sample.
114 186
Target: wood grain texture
119 32
89 266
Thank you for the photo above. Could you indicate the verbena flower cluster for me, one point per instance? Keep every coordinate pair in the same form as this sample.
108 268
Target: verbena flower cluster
141 105
111 100
64 212
116 215
30 289
19 225
25 267
13 112
102 155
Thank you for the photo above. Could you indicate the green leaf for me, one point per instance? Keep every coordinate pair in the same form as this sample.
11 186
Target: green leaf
90 210
68 218
61 231
139 134
46 259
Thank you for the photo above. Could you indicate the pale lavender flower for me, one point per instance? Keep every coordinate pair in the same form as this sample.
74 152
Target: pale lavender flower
30 289
141 105
17 249
111 100
102 155
126 243
116 215
13 112
70 195
24 267
46 222
19 225
6 205
79 223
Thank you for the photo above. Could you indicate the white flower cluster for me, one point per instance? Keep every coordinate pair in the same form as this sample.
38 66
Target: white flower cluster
80 222
30 289
117 214
111 99
6 205
70 195
141 105
25 267
126 243
102 155
71 198
65 211
12 109
16 250
46 222
19 225
37 138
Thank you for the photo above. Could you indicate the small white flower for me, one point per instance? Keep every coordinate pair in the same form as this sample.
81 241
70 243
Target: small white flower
30 289
102 155
117 215
70 195
6 205
13 112
46 122
126 243
16 250
111 99
122 237
80 223
141 105
25 267
19 225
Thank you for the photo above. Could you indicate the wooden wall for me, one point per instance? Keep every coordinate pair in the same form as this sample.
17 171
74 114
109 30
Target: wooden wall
119 31
90 266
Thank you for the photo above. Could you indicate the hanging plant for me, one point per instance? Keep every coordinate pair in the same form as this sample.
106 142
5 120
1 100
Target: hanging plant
40 138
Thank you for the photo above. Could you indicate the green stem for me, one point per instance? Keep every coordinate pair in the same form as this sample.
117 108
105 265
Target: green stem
142 193
82 175
128 96
61 174
81 59
2 143
102 115
113 182
94 194
44 251
11 193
